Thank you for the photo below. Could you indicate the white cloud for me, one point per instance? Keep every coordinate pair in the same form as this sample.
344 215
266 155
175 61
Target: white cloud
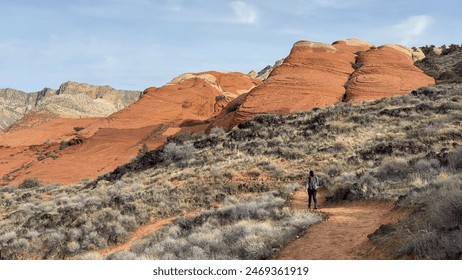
409 29
244 12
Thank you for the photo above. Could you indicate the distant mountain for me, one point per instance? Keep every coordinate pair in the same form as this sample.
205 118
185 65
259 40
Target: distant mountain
71 100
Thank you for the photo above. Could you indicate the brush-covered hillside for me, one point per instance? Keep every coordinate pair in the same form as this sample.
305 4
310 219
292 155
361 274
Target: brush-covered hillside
230 190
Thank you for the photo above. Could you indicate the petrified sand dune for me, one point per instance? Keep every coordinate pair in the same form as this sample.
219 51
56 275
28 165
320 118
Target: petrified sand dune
385 72
102 144
316 75
313 75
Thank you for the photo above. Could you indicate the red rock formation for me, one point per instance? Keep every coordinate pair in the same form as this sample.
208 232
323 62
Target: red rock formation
313 75
105 143
317 75
385 72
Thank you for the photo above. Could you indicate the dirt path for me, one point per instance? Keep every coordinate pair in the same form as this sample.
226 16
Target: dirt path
141 232
343 236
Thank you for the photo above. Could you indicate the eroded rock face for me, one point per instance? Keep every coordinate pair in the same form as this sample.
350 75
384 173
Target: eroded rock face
13 105
71 100
385 72
80 100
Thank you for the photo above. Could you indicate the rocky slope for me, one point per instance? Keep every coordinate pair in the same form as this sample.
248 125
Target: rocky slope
14 104
317 75
443 64
71 100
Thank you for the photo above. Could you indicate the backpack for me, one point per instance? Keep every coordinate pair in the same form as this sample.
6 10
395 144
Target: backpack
312 183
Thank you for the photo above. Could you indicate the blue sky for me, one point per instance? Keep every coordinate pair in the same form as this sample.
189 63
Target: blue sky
140 43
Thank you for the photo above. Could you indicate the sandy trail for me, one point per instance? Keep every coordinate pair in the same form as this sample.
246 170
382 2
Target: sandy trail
141 232
343 236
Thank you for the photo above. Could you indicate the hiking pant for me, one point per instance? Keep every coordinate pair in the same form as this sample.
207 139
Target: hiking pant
312 194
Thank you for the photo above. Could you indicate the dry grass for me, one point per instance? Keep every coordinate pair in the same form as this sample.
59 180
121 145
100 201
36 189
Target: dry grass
397 148
250 228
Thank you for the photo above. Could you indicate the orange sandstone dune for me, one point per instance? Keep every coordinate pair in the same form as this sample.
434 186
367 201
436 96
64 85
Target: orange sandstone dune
317 75
385 72
105 143
52 130
311 76
26 148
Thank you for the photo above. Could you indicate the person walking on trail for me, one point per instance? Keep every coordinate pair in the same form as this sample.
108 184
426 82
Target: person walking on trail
312 184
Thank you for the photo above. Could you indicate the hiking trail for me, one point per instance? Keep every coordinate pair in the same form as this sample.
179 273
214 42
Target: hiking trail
343 236
141 232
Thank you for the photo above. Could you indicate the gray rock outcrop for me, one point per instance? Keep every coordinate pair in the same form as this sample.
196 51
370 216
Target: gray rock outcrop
265 72
71 100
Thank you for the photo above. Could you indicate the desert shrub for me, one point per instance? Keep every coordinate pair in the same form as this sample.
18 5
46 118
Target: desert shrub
356 65
30 183
267 119
438 235
427 168
290 153
178 153
446 212
455 159
220 98
63 145
221 172
181 137
217 131
143 150
393 169
7 237
252 228
336 147
233 107
333 171
72 247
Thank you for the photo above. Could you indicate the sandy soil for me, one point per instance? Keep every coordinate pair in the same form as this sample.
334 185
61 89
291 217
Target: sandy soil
141 232
343 236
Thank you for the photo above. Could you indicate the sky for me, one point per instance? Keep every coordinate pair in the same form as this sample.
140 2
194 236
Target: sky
135 44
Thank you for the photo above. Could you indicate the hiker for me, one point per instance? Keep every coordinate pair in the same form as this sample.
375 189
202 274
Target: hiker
312 184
